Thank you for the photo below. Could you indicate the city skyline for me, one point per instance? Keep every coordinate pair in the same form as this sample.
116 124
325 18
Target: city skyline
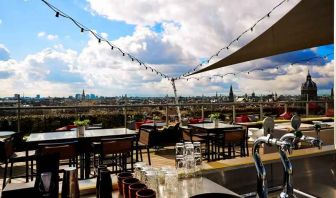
51 57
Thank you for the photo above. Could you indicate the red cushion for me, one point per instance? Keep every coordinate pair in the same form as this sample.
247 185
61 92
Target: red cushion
286 115
138 125
330 112
70 126
193 121
148 121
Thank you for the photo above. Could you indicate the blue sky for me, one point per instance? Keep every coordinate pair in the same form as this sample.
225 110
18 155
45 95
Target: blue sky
42 54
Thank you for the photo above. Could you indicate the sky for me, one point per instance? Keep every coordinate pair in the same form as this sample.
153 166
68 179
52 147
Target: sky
46 55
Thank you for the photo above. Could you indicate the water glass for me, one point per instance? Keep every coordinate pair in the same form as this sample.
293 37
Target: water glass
152 180
137 169
189 167
171 180
179 148
180 165
198 165
162 172
197 148
189 150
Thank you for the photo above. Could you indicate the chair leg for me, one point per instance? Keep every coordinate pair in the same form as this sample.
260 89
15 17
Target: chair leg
10 173
5 175
32 170
149 161
234 150
141 155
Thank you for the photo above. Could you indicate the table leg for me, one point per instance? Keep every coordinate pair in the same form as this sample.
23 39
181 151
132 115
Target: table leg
27 168
81 164
208 146
87 165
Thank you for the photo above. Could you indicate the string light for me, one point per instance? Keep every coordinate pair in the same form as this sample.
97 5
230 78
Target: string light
306 60
83 28
250 29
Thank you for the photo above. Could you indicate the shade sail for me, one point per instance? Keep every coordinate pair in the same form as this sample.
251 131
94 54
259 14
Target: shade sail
309 24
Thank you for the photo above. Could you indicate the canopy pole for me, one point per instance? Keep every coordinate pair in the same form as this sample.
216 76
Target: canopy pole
176 100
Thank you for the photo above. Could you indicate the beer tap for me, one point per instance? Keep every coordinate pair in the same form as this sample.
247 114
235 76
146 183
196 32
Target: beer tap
268 124
293 139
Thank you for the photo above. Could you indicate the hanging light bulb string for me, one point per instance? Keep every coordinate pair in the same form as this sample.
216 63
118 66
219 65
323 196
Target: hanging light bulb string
250 29
257 69
100 39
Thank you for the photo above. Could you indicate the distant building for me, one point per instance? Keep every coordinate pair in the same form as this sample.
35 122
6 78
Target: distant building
231 97
309 89
92 96
78 96
38 96
332 93
83 95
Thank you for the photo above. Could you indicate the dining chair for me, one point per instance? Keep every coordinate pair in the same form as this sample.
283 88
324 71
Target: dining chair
67 151
10 156
117 151
144 142
232 138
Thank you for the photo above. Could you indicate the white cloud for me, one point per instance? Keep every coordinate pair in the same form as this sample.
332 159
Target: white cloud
49 37
41 34
0 21
4 53
190 31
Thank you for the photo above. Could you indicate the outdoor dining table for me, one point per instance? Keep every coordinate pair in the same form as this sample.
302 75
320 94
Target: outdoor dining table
84 141
209 128
4 134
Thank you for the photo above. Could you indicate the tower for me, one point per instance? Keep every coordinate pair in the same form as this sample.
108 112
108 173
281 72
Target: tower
231 97
83 95
309 89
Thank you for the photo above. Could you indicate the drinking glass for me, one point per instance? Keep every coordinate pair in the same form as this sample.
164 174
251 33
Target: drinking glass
189 167
171 180
161 173
197 148
189 150
198 165
152 180
179 148
180 165
137 169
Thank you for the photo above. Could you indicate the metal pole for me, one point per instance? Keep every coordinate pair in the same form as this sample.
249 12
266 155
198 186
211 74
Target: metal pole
261 112
233 113
307 108
18 113
167 115
202 112
326 108
125 117
286 107
176 100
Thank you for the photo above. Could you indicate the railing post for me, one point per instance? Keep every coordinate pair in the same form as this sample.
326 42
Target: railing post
202 110
261 112
286 107
307 108
233 113
167 115
326 107
18 112
125 117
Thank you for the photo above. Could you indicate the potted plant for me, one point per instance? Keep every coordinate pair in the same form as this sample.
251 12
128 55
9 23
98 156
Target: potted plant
155 119
81 125
215 118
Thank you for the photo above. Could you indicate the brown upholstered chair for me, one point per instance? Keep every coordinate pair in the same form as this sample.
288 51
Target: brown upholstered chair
67 151
10 156
117 151
233 138
144 142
